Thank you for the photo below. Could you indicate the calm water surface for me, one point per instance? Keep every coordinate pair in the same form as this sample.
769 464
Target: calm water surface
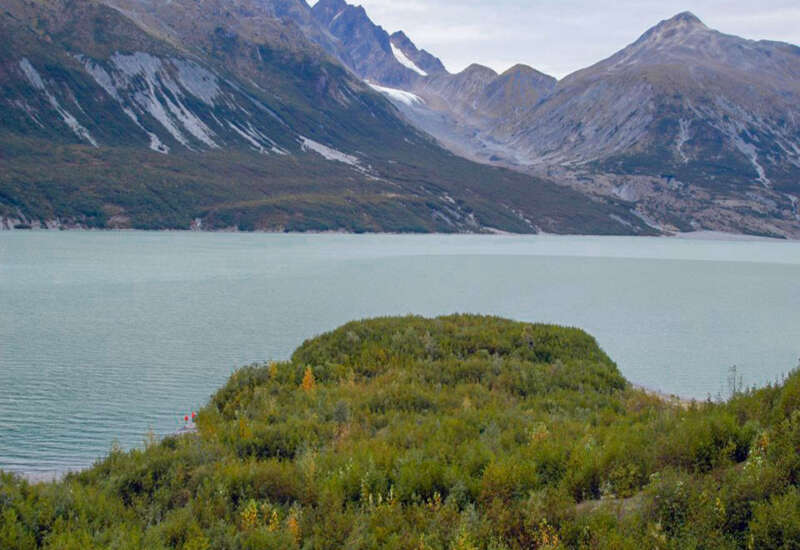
104 335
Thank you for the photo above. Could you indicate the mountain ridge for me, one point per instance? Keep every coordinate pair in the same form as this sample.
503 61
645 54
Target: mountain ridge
698 128
685 129
219 115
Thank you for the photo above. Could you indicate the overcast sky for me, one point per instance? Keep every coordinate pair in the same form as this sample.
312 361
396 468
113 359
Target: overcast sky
561 36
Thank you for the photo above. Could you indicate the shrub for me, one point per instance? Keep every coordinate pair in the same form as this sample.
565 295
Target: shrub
776 524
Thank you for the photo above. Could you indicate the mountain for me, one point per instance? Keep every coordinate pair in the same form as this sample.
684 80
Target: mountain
374 55
423 61
270 114
698 129
257 19
476 105
233 114
459 110
686 118
698 96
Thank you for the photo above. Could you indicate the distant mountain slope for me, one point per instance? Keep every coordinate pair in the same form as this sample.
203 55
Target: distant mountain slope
702 98
700 130
462 111
697 120
232 114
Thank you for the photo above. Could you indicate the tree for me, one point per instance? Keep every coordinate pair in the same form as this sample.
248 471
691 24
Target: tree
308 380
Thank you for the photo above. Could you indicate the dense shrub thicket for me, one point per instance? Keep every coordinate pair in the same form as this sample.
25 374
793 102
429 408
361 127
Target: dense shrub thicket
461 432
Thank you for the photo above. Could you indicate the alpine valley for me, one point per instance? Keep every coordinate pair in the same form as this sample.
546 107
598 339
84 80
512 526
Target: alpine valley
274 115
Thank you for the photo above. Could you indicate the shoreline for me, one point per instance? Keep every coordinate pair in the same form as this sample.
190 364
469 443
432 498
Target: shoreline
668 398
703 235
36 477
56 476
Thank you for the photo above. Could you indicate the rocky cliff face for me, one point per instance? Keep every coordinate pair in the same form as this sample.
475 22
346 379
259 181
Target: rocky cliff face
372 53
423 61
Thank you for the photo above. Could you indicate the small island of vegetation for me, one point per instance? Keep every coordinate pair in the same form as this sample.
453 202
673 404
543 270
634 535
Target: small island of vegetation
461 432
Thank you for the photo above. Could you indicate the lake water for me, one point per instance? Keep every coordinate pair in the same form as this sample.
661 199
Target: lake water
105 335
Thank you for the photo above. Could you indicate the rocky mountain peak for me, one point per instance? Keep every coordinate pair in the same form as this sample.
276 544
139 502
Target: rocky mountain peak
330 5
476 69
675 29
326 11
371 53
424 60
687 19
521 69
400 36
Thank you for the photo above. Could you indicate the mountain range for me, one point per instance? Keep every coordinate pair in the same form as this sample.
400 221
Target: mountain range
698 129
274 115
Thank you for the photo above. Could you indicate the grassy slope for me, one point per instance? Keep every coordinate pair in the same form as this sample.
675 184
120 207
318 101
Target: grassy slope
295 193
458 432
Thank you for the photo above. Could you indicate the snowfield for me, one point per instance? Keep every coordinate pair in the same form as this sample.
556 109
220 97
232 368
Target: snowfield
399 96
405 61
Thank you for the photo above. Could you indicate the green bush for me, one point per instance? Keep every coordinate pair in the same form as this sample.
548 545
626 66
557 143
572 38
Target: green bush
776 524
456 432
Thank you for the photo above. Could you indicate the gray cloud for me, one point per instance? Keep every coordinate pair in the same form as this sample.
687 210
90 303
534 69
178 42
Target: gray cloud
561 36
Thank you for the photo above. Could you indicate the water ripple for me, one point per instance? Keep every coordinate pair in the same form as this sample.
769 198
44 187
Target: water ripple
106 336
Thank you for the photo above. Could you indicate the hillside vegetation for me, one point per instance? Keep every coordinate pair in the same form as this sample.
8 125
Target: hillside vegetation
460 432
221 115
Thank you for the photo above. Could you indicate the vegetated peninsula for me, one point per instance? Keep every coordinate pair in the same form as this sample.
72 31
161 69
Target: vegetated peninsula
456 432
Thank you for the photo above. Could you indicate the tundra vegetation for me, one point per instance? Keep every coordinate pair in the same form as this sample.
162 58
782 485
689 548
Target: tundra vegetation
460 432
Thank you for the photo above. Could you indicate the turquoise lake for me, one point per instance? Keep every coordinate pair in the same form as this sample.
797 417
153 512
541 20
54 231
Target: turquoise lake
105 335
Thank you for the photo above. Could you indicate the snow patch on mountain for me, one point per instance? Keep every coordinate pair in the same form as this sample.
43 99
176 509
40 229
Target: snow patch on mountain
399 96
328 153
155 143
197 81
337 16
37 82
734 129
100 76
30 111
105 81
154 91
403 59
128 70
32 74
751 152
249 137
193 124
